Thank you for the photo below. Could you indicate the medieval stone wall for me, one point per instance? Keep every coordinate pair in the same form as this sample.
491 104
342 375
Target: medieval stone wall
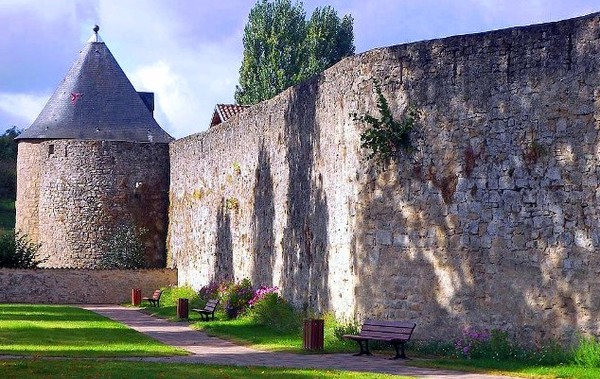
72 194
76 286
490 221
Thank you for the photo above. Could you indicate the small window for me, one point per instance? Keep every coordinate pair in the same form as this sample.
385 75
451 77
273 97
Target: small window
50 150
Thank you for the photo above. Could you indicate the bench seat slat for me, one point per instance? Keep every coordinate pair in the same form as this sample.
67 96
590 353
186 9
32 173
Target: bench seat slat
386 323
385 336
368 328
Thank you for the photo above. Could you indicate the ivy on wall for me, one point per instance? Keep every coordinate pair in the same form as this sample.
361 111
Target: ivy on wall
385 136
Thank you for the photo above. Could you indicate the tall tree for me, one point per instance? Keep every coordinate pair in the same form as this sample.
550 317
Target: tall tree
329 39
281 48
8 163
8 146
272 57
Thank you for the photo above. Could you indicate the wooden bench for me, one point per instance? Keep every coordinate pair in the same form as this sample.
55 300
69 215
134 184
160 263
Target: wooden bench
395 332
208 310
155 299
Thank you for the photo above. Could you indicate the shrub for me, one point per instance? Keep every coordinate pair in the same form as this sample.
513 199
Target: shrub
432 347
498 345
550 354
494 344
385 136
171 294
17 251
273 311
260 293
210 291
352 327
236 296
587 352
123 249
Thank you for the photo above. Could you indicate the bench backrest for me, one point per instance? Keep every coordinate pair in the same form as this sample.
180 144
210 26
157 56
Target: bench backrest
156 295
211 305
387 330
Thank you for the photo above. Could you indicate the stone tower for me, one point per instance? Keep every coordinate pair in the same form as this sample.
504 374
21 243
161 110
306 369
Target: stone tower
93 160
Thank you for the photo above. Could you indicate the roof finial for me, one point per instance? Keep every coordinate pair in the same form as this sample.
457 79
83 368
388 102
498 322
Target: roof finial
95 37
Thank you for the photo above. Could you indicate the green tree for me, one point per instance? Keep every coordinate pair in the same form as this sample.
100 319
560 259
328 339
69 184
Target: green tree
17 251
281 48
8 145
8 163
329 39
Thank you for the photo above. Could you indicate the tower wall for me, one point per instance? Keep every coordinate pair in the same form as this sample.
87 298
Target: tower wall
72 194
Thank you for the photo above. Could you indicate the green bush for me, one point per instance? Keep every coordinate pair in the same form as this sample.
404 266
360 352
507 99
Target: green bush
385 136
273 311
210 291
587 352
236 296
431 347
171 294
352 327
550 354
17 251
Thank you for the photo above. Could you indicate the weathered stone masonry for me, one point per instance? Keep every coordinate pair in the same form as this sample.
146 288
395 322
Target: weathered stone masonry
80 286
72 191
491 222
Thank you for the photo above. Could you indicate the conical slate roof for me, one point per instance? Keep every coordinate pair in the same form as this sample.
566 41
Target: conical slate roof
96 101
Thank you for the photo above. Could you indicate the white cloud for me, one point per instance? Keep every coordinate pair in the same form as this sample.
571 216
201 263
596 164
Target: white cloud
23 106
172 95
167 49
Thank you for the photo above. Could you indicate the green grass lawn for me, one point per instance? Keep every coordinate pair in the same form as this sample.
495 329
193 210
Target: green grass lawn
48 330
7 215
522 369
127 369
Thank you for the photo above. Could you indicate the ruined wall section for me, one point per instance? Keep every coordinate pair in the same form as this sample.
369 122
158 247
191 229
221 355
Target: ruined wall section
490 221
84 189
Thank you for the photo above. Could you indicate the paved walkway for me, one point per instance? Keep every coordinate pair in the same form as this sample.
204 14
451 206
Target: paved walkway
211 350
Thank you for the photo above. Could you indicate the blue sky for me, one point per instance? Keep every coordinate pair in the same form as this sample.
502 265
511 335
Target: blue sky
189 52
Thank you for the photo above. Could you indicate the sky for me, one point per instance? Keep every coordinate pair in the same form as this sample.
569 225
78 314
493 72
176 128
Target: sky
188 52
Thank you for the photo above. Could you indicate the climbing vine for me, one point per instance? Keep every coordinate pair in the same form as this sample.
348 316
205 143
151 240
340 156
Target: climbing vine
385 136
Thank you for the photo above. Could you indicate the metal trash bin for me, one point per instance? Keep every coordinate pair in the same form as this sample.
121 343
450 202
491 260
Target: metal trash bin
136 296
182 308
313 334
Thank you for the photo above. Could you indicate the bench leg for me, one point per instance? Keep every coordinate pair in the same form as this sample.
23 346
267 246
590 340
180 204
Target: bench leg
364 348
399 352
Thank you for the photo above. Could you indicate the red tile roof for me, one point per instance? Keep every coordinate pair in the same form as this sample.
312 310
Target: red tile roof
224 111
